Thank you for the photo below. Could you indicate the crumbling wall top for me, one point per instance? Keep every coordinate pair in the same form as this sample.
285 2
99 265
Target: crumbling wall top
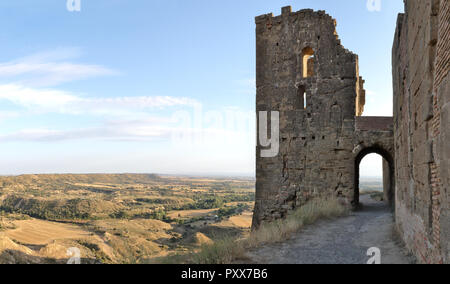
287 11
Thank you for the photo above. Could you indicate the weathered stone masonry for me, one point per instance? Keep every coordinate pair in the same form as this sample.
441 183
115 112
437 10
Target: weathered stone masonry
421 56
304 73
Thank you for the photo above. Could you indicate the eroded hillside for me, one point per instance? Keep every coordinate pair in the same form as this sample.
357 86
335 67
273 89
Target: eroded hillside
127 218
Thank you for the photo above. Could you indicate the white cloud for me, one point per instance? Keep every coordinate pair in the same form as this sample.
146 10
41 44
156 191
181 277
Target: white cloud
34 98
30 80
145 130
126 118
4 115
57 101
105 132
184 130
56 54
30 84
48 69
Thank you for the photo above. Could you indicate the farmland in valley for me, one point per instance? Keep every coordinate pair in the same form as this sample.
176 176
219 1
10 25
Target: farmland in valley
117 218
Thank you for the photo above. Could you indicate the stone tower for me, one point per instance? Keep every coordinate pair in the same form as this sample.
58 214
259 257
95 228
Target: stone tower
306 75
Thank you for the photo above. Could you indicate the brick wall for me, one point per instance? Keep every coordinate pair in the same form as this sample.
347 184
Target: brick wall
420 77
441 133
373 123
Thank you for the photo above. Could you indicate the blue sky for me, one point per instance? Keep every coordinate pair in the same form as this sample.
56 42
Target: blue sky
154 86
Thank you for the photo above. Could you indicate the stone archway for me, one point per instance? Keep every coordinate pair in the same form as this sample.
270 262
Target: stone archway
389 192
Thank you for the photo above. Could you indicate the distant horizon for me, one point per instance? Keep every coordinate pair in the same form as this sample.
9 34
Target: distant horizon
198 175
139 173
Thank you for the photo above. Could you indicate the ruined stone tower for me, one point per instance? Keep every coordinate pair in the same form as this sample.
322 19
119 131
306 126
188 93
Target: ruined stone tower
306 75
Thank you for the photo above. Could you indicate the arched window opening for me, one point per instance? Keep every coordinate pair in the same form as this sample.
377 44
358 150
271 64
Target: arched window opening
301 98
304 100
308 62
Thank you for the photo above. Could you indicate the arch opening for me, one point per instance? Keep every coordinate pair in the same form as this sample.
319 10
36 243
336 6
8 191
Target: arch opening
301 98
386 179
308 62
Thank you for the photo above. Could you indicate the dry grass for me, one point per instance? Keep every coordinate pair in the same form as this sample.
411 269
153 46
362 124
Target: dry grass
113 215
242 221
222 251
228 249
282 230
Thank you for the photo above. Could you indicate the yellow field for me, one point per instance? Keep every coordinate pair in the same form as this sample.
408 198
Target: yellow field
39 232
191 213
243 221
123 218
98 185
240 221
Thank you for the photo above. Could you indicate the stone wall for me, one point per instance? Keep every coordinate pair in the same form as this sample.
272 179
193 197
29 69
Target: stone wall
305 74
300 57
421 126
387 183
374 123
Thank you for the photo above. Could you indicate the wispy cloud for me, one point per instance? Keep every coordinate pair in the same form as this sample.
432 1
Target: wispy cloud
4 115
51 68
143 129
57 101
148 129
106 132
30 83
35 98
118 118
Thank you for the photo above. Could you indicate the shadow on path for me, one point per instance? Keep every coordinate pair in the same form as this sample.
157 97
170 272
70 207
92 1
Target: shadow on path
340 241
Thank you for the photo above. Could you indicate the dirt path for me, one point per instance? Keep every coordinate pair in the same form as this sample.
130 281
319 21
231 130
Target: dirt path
345 240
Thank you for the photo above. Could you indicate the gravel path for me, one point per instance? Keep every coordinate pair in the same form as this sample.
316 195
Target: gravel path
344 240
